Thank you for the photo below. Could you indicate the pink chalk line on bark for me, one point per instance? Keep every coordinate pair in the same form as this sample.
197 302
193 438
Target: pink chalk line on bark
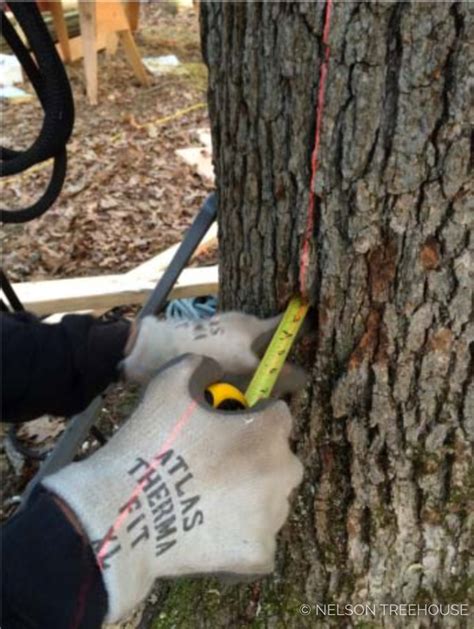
323 73
186 415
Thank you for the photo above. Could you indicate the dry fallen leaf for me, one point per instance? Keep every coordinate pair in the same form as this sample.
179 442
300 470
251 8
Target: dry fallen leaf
42 429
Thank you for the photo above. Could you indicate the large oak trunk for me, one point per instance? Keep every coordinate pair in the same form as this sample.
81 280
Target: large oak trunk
383 428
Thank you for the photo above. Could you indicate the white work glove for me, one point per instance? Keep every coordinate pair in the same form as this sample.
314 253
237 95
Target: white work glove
183 488
234 339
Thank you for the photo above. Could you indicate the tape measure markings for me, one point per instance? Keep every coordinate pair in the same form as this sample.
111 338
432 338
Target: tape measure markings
266 375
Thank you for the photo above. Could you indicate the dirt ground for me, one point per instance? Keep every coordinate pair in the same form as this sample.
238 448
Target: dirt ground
127 195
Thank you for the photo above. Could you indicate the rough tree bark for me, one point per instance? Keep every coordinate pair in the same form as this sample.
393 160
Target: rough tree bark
384 427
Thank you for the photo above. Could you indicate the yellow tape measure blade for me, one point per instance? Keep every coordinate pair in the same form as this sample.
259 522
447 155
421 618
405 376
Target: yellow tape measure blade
270 366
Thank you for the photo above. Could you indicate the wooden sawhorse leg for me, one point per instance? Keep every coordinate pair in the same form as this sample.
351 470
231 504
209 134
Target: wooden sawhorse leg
87 17
133 56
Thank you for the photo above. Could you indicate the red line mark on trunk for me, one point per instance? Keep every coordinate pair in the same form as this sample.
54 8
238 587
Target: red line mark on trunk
304 260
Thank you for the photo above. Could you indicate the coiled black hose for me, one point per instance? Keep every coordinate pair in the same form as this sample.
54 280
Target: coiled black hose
49 79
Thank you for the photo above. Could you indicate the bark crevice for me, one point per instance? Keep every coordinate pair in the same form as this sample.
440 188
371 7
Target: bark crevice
384 428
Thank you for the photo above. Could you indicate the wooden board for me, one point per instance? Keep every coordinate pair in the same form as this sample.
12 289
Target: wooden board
150 269
200 158
76 49
109 291
88 20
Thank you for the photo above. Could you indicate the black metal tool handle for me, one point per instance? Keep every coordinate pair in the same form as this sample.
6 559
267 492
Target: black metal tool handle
193 237
80 424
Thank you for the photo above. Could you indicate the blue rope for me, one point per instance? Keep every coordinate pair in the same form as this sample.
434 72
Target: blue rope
194 308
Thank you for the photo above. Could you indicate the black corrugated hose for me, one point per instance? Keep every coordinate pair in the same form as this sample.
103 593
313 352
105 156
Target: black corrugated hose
49 79
46 72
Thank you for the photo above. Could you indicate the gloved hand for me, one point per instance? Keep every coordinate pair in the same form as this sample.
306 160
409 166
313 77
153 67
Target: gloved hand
234 339
182 488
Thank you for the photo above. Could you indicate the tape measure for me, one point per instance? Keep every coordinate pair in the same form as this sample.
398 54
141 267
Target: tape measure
225 396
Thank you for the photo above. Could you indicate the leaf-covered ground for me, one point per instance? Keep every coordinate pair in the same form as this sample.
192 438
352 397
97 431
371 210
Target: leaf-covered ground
127 195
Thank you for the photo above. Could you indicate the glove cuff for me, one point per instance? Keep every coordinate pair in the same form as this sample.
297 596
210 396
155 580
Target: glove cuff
124 569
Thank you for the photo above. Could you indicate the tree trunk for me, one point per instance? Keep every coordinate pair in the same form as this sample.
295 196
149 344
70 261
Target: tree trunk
383 428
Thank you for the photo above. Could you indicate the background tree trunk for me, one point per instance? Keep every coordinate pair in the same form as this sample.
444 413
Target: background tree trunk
383 428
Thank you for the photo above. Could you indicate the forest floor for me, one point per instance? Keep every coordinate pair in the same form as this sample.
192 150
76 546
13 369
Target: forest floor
127 195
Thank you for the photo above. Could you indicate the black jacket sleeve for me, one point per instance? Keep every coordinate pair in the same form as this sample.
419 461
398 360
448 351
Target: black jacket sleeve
56 368
50 578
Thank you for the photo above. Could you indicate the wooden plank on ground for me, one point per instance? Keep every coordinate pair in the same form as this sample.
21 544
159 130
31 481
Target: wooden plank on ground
151 269
108 291
200 158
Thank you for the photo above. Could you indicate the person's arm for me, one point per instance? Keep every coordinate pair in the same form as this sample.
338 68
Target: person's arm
58 368
181 489
50 577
